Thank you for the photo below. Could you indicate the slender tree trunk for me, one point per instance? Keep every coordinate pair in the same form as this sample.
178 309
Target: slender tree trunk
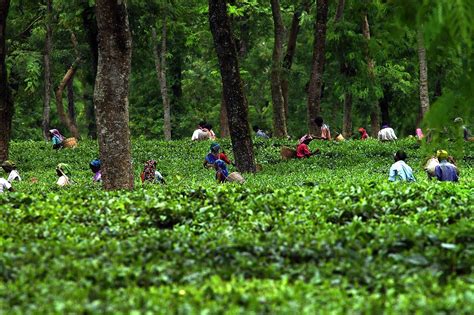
71 108
340 10
279 122
375 109
47 71
90 26
237 109
345 71
424 96
111 94
63 117
347 118
290 53
6 104
160 65
224 122
316 79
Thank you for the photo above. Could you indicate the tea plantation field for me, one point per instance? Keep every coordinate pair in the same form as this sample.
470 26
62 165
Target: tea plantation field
324 235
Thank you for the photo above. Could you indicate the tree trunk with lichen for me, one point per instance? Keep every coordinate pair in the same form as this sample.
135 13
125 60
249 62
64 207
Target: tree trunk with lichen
111 94
237 109
6 104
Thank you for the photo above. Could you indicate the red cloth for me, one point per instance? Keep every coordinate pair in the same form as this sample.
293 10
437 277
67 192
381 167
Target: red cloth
302 151
364 134
224 158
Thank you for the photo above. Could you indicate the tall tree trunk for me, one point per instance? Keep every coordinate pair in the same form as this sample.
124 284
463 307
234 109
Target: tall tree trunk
47 71
345 71
290 53
279 122
6 104
375 109
237 109
90 26
160 65
424 96
340 10
63 117
71 108
317 68
347 118
224 122
111 94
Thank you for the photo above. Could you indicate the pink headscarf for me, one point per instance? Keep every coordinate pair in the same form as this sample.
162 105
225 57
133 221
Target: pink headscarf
55 133
304 138
419 133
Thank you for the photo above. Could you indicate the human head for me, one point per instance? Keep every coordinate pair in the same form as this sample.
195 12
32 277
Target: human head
361 130
208 126
319 121
442 155
63 169
8 166
400 156
95 165
215 147
220 165
256 128
307 140
385 125
201 124
458 120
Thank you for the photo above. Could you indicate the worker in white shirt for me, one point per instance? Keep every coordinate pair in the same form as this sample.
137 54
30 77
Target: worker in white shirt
386 133
10 168
201 133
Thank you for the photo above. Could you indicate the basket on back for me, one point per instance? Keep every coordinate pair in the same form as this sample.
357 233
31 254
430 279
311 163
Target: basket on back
287 153
70 143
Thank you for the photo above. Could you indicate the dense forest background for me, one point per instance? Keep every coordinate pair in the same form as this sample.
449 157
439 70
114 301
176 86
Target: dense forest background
46 39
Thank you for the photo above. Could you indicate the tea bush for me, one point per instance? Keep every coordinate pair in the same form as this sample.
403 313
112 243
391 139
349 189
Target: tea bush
322 235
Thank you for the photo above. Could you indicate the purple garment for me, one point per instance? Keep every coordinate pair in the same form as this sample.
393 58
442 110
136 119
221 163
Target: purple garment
446 172
97 177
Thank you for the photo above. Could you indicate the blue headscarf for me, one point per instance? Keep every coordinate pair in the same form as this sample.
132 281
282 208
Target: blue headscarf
95 163
221 167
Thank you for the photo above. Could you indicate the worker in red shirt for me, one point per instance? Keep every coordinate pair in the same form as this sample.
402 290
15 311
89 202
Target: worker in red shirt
302 150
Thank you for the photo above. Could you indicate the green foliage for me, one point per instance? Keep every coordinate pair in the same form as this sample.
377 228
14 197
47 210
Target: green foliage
322 235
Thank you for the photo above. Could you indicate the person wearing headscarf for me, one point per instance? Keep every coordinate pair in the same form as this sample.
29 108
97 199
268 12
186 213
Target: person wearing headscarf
302 150
64 172
445 171
10 168
259 133
400 171
150 174
363 134
386 133
215 154
419 134
57 138
95 165
221 171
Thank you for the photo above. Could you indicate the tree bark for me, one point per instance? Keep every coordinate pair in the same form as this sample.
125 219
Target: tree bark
316 79
290 53
71 108
47 71
160 66
6 104
279 121
347 118
375 110
340 10
90 27
111 94
224 122
63 117
237 109
424 96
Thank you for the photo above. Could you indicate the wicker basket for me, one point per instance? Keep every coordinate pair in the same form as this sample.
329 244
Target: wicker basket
235 177
70 143
287 153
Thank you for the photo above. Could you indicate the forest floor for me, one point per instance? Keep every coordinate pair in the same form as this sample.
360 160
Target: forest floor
327 234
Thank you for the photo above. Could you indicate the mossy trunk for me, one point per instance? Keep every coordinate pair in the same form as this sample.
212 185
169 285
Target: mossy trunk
111 94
